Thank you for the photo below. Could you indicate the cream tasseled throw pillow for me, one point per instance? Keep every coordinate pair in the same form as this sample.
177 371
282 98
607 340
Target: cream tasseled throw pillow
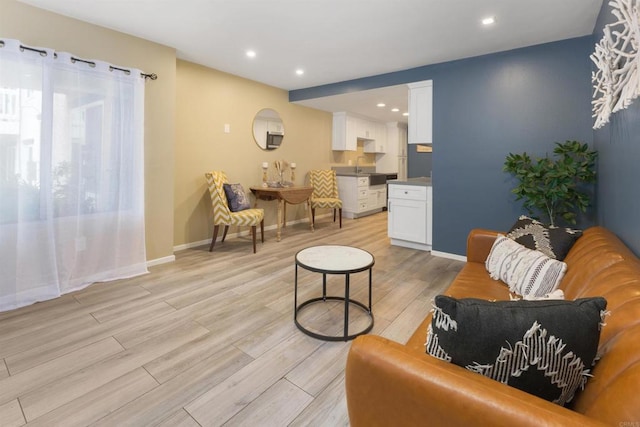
525 271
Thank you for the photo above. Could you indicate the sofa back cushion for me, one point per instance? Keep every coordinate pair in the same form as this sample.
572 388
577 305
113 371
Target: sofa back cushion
599 264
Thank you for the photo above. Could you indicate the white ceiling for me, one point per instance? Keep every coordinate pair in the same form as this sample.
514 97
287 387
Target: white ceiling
365 103
333 40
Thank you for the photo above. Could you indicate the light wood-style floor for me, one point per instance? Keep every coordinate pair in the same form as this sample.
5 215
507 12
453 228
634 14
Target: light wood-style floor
210 338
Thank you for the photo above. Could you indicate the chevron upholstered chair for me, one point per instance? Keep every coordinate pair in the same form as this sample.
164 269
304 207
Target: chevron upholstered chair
325 193
222 215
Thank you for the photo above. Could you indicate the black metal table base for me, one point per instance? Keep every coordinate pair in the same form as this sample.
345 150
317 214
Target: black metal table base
347 302
345 336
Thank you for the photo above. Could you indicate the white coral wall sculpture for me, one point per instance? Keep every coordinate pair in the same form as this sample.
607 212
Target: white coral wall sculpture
616 82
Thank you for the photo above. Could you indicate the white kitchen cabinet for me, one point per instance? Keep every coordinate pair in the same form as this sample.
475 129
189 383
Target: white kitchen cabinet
409 215
275 126
379 144
358 198
365 129
377 197
421 112
344 136
347 129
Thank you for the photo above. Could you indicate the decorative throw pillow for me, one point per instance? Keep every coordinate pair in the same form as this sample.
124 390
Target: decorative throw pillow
545 348
527 272
554 242
236 198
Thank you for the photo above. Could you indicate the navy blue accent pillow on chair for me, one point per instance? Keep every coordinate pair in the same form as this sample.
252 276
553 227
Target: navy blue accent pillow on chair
236 197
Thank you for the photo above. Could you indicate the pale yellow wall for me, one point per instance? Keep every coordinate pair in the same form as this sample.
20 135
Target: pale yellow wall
208 99
346 158
37 27
185 113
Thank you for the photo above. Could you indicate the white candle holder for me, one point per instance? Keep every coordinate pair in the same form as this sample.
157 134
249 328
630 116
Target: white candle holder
265 166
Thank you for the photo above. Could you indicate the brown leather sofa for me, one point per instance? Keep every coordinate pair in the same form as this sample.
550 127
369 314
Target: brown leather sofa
391 384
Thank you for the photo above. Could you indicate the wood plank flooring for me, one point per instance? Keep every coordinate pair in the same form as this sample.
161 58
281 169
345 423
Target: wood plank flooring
209 339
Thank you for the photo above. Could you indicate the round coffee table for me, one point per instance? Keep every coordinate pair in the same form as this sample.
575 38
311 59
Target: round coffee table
334 259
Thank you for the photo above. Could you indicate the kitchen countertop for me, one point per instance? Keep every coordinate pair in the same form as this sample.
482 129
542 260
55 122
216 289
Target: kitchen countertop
352 174
351 171
421 181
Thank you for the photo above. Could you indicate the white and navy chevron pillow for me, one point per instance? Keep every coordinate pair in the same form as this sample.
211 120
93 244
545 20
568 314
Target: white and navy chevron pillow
527 272
545 348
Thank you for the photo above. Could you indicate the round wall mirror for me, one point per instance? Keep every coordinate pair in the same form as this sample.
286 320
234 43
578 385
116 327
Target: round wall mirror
268 129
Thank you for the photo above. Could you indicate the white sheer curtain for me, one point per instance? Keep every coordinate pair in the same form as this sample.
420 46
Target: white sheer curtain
71 174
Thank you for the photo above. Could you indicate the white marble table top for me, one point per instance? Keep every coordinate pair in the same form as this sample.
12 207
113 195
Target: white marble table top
334 258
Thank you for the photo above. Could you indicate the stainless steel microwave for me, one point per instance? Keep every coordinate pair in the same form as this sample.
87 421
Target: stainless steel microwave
274 139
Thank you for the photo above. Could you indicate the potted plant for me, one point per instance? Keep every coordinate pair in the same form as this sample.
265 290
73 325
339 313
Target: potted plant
554 186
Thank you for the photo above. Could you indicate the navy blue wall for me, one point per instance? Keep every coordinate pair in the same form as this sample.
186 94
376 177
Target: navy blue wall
618 145
418 164
484 108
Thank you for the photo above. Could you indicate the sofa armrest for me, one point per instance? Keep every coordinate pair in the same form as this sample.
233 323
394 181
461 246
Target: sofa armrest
388 385
479 244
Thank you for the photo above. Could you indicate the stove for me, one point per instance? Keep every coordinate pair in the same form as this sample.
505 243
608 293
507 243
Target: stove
389 176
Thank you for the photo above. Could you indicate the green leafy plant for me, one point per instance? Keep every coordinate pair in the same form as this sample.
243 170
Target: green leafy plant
554 186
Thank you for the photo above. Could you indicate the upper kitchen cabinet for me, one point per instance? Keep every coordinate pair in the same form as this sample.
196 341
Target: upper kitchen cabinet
347 129
365 129
379 144
344 132
421 112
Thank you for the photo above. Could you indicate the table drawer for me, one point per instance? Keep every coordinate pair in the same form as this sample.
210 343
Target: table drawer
410 192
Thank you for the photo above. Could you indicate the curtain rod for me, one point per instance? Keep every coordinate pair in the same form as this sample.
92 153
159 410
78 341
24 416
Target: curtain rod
152 76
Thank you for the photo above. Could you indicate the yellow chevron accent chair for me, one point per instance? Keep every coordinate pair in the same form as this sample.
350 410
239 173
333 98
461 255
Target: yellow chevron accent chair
222 215
325 193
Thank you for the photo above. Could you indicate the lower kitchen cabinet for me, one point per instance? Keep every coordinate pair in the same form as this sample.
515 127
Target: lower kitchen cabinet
359 198
409 221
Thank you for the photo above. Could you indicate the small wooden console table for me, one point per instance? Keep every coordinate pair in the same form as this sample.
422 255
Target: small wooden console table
284 195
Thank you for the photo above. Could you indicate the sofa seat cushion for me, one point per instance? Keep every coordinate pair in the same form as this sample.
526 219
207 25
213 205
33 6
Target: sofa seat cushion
545 348
472 282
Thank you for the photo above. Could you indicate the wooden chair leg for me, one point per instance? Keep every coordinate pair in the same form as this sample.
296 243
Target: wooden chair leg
253 234
334 215
313 216
215 236
262 230
340 214
224 233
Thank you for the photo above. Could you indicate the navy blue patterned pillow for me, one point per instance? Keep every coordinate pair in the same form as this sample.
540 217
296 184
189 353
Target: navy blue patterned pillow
236 197
544 347
552 241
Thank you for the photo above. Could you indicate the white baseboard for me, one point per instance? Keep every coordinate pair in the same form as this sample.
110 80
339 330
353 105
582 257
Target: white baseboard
237 234
449 256
410 245
163 260
191 245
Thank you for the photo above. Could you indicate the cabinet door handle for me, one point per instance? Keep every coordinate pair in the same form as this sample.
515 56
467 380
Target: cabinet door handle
389 206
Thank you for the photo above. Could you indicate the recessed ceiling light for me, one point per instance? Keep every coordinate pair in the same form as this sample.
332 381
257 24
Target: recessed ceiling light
381 104
489 20
299 71
405 114
395 110
251 53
